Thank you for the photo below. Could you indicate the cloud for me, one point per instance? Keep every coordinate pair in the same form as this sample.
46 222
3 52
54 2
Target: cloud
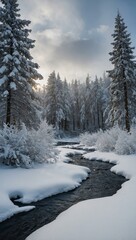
100 29
54 14
63 42
73 58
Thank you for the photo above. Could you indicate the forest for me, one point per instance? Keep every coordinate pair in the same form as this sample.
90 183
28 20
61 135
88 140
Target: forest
70 108
65 141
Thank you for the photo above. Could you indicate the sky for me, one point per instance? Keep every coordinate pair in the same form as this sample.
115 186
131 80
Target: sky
73 37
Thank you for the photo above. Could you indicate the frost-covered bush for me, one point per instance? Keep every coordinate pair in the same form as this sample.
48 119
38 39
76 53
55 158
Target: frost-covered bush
41 144
126 143
90 139
22 147
114 139
13 146
107 141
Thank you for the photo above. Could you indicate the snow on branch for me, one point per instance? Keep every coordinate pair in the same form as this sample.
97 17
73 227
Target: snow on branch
113 140
22 147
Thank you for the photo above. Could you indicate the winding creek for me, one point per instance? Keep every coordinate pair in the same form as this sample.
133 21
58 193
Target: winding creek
100 183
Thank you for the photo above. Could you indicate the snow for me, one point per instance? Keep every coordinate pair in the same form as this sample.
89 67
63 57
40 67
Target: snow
41 181
7 58
114 139
64 152
3 69
3 80
5 93
125 164
13 86
109 218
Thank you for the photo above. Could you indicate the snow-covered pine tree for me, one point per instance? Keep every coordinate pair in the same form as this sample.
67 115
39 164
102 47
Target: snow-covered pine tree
59 103
75 98
82 107
106 96
123 80
50 100
17 70
54 101
66 106
88 104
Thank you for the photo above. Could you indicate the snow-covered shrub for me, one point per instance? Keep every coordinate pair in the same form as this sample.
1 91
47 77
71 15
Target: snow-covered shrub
126 143
107 141
114 139
22 147
13 146
90 139
41 144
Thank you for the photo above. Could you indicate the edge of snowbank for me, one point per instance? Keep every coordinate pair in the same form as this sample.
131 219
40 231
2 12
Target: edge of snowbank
34 184
106 218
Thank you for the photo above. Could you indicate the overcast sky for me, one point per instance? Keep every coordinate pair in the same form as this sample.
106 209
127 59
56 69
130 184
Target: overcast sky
73 37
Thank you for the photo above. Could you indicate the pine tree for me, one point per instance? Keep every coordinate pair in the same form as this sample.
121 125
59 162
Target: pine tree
17 70
85 111
88 104
66 106
54 101
123 80
98 96
51 99
59 103
82 107
75 97
105 100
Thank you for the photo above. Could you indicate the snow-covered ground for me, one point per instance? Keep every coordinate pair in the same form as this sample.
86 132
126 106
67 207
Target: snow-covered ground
36 183
64 152
109 218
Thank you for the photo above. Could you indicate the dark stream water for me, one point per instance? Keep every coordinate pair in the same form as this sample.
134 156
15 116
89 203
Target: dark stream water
100 183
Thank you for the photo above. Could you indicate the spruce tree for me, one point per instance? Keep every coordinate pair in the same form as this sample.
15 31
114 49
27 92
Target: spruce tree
17 70
123 80
88 104
51 99
54 101
75 97
66 106
59 103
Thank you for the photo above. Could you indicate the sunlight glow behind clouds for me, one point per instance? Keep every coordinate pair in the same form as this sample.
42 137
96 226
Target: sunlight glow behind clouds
68 40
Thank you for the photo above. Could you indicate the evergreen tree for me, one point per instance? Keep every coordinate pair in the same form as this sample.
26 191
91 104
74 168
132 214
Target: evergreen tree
123 80
59 103
66 106
75 97
105 83
82 107
85 112
54 101
75 107
98 96
51 99
17 70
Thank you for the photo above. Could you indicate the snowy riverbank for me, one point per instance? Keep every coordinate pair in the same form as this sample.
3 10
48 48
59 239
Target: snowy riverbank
33 184
106 218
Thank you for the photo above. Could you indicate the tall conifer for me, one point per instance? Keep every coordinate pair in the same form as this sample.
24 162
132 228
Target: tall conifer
123 81
17 70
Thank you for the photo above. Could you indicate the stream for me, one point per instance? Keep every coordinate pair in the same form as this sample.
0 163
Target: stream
100 183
